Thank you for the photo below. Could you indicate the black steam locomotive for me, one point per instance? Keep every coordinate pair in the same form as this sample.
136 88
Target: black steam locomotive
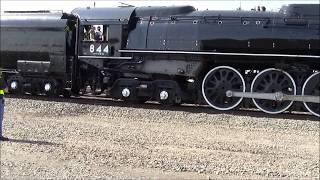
172 55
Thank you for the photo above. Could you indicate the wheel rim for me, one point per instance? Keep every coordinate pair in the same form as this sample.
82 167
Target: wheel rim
217 82
271 81
312 87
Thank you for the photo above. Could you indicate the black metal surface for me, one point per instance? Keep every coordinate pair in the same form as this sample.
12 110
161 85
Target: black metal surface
301 10
162 11
228 31
228 13
123 13
34 37
259 32
137 38
32 20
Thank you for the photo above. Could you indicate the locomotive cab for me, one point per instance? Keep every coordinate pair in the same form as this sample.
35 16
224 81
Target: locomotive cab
102 32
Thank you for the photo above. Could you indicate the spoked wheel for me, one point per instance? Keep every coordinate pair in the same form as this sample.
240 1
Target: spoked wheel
217 82
312 87
272 81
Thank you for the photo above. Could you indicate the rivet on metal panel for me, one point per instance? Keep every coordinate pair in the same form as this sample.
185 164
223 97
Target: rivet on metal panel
245 22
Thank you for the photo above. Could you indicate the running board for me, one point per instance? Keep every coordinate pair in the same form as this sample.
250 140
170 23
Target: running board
278 96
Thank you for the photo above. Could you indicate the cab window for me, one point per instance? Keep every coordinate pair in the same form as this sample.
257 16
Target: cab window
98 33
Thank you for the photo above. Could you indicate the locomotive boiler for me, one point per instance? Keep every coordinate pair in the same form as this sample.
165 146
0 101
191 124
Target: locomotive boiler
174 55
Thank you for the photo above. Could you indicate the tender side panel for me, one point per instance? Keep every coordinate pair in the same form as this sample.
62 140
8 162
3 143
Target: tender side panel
34 41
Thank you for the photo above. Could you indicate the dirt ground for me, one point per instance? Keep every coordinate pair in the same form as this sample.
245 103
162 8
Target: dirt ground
92 139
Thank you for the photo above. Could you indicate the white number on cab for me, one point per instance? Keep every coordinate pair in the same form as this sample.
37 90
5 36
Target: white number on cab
106 49
92 48
99 49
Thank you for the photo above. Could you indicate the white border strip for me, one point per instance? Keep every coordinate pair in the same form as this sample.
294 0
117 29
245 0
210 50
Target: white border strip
217 53
102 57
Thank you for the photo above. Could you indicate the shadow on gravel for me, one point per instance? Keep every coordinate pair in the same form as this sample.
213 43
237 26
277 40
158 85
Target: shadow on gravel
33 142
103 101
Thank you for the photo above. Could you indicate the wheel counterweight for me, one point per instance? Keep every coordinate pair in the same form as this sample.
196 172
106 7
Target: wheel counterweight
217 82
271 81
312 87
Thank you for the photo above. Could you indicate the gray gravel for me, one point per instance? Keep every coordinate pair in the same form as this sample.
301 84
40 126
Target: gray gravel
115 140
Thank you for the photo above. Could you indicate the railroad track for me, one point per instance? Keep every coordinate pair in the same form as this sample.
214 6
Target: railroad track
104 101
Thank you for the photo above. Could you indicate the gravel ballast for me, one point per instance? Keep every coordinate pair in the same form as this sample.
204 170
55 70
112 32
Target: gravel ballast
103 139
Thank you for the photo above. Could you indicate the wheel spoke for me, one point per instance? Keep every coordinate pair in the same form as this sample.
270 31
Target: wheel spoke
284 82
221 74
212 81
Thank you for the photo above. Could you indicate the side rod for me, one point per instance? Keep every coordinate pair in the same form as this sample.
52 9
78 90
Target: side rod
278 96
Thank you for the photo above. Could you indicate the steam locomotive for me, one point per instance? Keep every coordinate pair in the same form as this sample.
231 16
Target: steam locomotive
172 55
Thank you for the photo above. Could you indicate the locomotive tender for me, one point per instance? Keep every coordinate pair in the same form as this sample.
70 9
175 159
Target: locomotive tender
171 55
